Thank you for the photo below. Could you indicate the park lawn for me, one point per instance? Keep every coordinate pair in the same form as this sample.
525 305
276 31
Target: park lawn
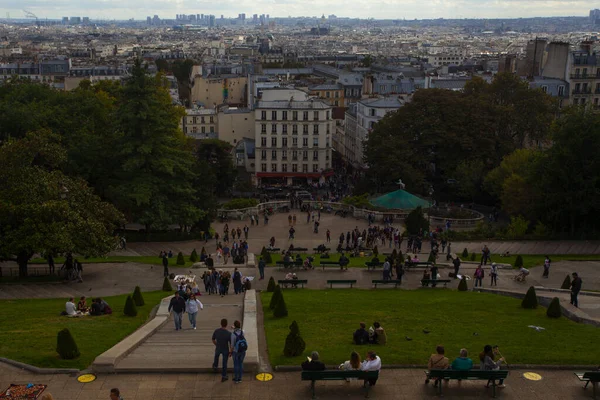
328 318
537 260
153 260
354 261
28 329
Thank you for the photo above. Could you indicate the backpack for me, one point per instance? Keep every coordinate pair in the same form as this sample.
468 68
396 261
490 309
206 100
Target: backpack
241 345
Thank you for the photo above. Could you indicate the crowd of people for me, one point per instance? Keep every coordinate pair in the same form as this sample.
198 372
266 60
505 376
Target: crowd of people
372 362
219 281
98 307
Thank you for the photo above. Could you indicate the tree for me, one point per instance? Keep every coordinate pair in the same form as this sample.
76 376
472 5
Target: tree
167 285
518 261
280 310
130 309
271 285
66 346
194 256
415 222
554 310
180 259
462 285
138 299
154 184
218 171
266 256
42 209
276 297
465 254
530 300
566 283
294 344
517 227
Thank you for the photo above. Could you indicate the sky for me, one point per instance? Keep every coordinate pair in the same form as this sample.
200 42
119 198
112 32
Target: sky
382 9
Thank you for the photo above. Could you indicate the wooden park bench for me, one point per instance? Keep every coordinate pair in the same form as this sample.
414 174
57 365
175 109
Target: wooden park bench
294 282
289 264
434 282
317 250
328 264
273 250
587 377
337 375
395 282
371 264
473 374
425 264
298 250
331 282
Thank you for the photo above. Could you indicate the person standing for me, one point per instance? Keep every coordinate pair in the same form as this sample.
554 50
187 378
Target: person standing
237 281
51 263
177 304
221 338
479 276
165 262
434 274
485 255
546 267
239 346
294 220
246 230
290 220
328 233
575 289
456 263
399 270
192 306
494 275
261 268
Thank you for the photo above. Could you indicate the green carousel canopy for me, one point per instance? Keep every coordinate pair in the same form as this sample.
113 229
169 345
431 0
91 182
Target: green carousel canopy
401 200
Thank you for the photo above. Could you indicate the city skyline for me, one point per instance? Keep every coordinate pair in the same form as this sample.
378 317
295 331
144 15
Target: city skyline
386 9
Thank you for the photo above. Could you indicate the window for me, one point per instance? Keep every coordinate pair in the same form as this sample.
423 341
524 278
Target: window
273 154
274 115
263 167
212 129
545 89
202 120
328 94
294 129
284 142
263 141
597 88
337 94
284 168
304 155
263 128
372 112
284 155
561 90
212 120
328 132
284 115
203 129
598 73
263 115
316 115
294 155
315 167
582 101
194 120
315 142
327 115
284 129
294 142
584 87
273 128
305 142
273 167
294 167
337 103
316 155
371 124
305 116
263 154
295 115
577 87
305 168
274 142
584 72
305 129
315 129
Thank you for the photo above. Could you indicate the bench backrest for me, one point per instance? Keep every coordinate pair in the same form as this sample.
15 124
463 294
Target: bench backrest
293 281
472 373
593 376
341 281
337 375
384 281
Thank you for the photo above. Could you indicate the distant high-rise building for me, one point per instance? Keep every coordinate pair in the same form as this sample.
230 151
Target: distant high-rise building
595 17
149 20
211 21
255 18
86 20
65 20
75 20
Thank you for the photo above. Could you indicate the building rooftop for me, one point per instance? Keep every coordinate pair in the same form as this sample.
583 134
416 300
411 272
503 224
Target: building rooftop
383 102
299 105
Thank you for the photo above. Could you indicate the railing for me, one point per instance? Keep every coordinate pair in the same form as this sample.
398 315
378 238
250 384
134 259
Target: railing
580 76
582 91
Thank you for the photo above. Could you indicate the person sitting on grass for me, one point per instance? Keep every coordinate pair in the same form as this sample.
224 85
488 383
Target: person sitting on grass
437 361
361 336
82 305
96 308
312 363
70 308
377 334
462 362
487 363
104 307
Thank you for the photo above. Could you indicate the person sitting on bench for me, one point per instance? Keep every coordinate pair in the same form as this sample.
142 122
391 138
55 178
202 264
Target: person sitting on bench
371 363
426 276
353 364
462 363
487 363
361 336
312 363
344 262
437 361
308 263
415 259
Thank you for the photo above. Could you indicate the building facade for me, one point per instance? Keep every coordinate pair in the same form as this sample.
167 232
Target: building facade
293 141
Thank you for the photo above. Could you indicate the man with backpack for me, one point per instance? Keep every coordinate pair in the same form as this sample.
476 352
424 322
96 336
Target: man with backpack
239 346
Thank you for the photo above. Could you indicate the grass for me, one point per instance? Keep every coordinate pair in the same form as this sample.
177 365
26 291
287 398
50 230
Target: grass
153 260
328 318
28 329
537 260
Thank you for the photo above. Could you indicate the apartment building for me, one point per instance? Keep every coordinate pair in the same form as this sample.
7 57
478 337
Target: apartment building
201 123
212 91
229 124
293 141
584 76
332 94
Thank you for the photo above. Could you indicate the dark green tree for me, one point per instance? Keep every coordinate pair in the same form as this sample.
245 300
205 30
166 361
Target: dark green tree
416 221
277 295
519 261
167 285
180 259
530 300
266 256
462 285
280 310
294 344
194 256
130 309
465 254
42 209
554 310
65 345
218 170
566 283
138 299
271 285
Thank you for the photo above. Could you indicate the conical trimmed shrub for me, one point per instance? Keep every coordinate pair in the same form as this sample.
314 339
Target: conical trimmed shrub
167 285
66 346
473 255
294 344
194 256
376 251
266 256
462 285
180 259
130 308
280 309
566 283
530 300
554 310
465 254
394 254
138 299
275 298
431 258
519 261
271 285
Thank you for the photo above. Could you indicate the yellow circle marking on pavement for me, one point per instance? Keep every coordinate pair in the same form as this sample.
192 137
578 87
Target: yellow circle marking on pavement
264 377
532 376
86 378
